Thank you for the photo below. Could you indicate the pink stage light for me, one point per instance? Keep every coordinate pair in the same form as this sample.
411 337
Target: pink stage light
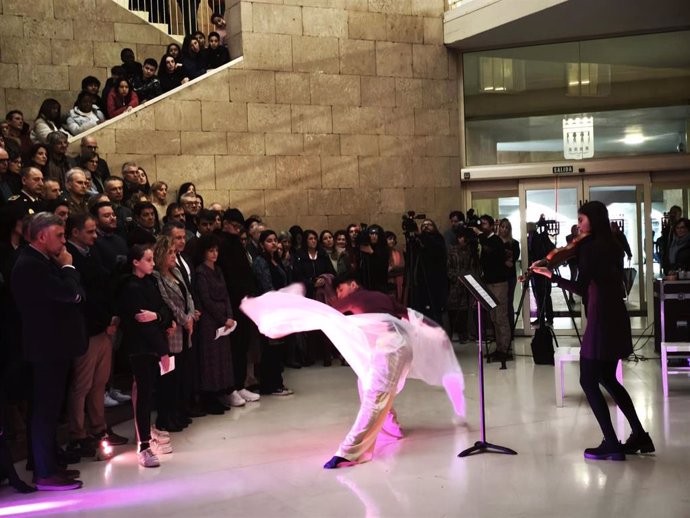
37 507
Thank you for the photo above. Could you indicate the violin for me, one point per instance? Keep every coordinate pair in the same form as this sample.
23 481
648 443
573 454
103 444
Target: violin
557 256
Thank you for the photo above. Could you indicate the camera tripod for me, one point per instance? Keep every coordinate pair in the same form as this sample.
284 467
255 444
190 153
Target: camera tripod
541 316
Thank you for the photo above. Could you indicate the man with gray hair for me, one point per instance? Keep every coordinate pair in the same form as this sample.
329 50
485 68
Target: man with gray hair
77 185
48 292
130 174
58 164
29 199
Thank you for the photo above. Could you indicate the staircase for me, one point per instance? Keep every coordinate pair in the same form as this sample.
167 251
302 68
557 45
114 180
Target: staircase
169 11
144 15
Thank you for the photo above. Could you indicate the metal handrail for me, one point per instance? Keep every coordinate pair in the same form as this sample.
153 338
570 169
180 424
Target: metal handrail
181 16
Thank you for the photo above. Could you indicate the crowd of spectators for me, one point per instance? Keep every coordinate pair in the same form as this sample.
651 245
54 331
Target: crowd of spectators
149 275
130 84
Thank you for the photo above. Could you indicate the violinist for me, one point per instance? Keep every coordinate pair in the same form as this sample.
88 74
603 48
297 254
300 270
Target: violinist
608 337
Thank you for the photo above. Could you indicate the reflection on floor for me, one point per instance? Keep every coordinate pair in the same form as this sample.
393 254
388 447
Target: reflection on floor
265 460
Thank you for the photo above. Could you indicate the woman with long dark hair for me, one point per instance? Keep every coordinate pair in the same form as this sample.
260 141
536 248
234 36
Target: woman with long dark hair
374 256
270 276
193 57
49 119
215 354
122 98
171 73
38 157
608 337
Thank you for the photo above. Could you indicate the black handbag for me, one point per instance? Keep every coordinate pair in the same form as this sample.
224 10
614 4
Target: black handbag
542 346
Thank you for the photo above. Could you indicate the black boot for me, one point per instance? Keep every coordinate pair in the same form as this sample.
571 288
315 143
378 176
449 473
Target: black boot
607 450
641 442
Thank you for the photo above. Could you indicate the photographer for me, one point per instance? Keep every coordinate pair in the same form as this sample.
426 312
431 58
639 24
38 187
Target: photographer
495 275
538 245
428 277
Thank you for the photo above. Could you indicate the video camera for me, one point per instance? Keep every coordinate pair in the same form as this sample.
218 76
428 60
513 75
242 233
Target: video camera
408 221
548 226
472 220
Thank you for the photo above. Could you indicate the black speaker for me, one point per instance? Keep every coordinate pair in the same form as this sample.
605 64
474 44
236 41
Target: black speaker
671 312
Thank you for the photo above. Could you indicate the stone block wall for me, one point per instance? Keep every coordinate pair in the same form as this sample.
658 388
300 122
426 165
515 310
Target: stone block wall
48 46
342 111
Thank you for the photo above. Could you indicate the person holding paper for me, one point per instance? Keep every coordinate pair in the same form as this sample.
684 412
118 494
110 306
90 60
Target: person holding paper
215 353
144 320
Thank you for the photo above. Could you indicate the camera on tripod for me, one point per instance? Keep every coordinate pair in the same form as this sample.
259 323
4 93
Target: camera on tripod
548 226
409 226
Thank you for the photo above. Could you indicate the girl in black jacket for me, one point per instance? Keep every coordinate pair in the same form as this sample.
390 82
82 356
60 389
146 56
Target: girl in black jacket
144 319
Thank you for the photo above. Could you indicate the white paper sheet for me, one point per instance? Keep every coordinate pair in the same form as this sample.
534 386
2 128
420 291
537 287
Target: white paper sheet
224 331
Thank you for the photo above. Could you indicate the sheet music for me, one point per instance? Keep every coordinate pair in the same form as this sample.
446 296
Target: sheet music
488 298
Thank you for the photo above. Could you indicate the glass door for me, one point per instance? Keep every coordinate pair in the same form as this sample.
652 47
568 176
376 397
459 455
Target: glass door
549 210
631 225
499 199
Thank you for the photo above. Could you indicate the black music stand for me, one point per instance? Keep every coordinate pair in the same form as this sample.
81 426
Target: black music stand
487 301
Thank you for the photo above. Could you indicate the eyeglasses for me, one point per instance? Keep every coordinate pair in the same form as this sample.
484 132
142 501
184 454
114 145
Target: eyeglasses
4 160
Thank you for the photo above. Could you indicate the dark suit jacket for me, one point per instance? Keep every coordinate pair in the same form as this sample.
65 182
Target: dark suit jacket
48 299
99 304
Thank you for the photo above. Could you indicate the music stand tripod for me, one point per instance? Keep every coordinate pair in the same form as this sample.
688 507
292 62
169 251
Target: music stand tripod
487 301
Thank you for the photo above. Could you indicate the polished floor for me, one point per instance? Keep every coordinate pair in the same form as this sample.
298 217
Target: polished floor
265 460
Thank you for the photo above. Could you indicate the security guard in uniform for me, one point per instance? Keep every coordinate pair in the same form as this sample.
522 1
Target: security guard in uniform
29 199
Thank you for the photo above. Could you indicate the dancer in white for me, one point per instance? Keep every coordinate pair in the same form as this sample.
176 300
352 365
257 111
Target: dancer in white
383 342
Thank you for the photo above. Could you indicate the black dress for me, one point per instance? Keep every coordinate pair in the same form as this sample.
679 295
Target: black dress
600 283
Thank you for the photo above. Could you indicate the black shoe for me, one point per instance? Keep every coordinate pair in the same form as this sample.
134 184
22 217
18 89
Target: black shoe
57 483
22 487
213 407
113 438
606 451
195 412
327 363
66 457
184 420
82 447
639 442
168 426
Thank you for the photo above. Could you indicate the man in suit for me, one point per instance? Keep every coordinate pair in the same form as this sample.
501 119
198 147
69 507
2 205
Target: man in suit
91 370
47 290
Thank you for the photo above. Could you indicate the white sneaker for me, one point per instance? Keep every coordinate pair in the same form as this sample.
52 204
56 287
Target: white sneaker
161 447
235 399
110 402
249 396
159 435
148 459
155 432
119 396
